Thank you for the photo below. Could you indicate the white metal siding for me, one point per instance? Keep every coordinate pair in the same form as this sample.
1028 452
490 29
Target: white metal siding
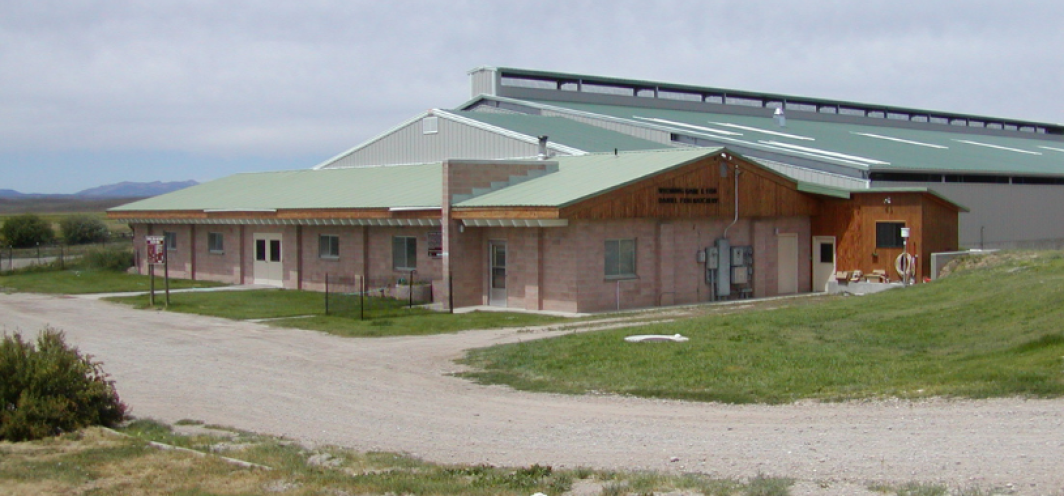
483 82
409 145
1006 215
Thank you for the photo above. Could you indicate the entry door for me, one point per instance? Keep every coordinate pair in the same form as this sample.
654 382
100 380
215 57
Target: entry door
497 274
269 268
823 261
787 262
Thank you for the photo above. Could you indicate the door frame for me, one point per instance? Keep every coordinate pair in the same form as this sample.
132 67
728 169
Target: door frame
268 271
821 273
786 265
497 297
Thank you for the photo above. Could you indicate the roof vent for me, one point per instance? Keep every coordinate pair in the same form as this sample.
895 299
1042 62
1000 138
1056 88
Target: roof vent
780 118
543 155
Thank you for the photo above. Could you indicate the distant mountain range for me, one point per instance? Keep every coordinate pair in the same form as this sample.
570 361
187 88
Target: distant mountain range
119 190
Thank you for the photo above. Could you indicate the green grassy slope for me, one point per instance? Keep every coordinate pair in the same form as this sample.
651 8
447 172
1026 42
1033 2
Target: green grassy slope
996 329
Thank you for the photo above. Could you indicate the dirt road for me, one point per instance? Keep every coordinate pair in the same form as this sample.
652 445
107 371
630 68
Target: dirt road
395 394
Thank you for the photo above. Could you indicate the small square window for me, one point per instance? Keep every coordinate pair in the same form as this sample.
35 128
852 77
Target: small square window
215 242
404 253
888 235
620 258
827 253
328 246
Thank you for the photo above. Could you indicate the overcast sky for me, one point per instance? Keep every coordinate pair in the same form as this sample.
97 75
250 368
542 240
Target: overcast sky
97 92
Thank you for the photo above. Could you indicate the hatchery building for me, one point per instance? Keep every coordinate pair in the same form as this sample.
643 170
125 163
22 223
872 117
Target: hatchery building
572 232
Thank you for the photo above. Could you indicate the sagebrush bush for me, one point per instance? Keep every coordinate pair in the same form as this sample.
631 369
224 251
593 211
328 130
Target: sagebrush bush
116 259
81 229
52 388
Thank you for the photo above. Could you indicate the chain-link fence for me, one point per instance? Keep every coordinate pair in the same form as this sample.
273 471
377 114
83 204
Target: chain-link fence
368 298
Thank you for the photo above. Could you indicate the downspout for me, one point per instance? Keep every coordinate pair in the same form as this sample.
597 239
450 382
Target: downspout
736 219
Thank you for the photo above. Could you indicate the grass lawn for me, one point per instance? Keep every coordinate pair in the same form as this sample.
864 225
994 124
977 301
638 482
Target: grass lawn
985 332
88 281
94 461
385 317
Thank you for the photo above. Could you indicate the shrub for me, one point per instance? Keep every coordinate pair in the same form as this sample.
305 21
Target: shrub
82 229
26 230
52 388
116 259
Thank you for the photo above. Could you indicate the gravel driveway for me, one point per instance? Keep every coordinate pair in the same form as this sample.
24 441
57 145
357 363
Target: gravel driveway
395 394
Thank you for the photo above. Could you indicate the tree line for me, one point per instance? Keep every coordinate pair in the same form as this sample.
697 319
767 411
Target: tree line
28 230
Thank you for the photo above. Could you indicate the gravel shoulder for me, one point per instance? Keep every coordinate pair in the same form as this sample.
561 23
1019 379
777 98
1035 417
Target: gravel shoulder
396 394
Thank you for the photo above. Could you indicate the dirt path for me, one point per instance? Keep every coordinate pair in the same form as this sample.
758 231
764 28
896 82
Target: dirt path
394 394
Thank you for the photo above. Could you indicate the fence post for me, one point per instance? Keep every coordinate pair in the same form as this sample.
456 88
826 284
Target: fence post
361 298
326 294
410 290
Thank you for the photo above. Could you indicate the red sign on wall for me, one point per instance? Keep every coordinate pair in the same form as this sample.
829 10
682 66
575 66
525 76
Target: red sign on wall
156 246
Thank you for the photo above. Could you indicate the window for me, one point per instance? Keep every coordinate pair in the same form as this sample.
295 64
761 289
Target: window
888 235
328 246
620 258
171 240
215 242
827 253
404 253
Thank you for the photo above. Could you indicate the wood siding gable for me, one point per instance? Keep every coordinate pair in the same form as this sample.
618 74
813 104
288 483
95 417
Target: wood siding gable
697 190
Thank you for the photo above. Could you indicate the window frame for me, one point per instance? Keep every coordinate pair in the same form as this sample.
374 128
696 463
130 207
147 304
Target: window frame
898 240
170 242
624 257
408 252
330 251
211 238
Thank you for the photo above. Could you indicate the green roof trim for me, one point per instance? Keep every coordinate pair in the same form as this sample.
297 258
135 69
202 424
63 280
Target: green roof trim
403 186
585 176
820 189
912 189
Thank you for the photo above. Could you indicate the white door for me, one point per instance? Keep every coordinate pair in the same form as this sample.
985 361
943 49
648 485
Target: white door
823 261
269 268
497 273
787 262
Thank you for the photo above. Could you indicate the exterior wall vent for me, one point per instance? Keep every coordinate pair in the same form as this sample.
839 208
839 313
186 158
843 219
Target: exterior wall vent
430 125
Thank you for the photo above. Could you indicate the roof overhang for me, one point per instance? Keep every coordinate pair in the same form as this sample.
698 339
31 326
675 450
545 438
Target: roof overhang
515 222
387 222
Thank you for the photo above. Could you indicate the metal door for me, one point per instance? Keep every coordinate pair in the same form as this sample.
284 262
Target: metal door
269 268
823 261
497 274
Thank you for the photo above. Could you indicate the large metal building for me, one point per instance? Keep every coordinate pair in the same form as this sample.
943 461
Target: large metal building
1009 173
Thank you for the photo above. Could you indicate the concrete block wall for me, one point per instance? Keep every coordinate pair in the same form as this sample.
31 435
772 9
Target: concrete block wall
350 263
180 259
380 265
224 266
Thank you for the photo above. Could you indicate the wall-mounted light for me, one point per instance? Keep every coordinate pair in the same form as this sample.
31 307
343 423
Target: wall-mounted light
887 201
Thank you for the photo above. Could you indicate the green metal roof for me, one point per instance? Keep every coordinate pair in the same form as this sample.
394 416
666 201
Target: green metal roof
403 186
556 77
861 147
586 176
820 189
567 132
